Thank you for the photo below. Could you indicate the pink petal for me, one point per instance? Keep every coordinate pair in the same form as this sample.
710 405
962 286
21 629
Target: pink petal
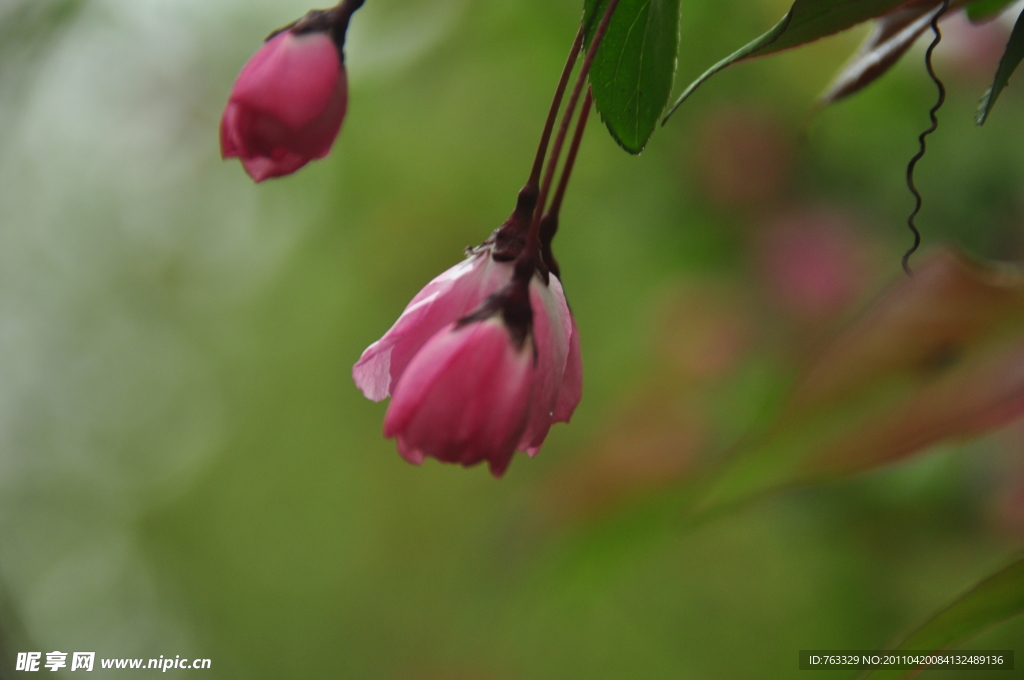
552 327
292 78
446 299
464 398
261 168
571 392
228 123
318 137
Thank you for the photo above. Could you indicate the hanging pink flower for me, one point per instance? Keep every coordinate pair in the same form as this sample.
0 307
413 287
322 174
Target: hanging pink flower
442 302
476 374
465 398
287 105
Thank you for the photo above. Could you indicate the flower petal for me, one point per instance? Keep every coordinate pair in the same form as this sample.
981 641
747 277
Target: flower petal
464 398
292 78
228 126
443 301
571 392
552 327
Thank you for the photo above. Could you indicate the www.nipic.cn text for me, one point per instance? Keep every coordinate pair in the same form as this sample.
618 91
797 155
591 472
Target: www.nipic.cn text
86 661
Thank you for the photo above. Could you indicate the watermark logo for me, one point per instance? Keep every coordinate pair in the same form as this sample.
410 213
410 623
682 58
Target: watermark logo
28 661
56 660
85 661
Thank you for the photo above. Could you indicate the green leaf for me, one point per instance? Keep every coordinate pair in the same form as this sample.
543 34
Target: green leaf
995 599
980 10
1007 65
634 67
807 20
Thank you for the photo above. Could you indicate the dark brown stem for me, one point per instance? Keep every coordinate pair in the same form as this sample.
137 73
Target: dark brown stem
549 222
556 104
532 248
570 160
510 237
344 12
347 7
333 21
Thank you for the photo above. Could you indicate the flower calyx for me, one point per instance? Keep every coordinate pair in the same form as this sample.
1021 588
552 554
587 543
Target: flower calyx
333 21
512 303
508 243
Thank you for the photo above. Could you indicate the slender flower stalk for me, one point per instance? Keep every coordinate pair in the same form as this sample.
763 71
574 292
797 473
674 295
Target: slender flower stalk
556 104
509 238
343 13
570 159
570 109
549 222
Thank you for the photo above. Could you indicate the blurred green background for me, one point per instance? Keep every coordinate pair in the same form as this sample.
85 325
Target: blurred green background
187 469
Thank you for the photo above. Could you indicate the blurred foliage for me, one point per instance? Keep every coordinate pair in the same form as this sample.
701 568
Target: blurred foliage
891 37
186 467
1007 65
992 601
979 10
897 25
937 357
27 29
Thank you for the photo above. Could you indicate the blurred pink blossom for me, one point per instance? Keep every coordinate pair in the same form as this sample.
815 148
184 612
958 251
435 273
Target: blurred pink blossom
812 262
971 50
287 105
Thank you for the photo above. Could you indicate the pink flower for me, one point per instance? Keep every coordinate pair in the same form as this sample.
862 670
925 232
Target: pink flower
476 374
465 397
442 302
287 105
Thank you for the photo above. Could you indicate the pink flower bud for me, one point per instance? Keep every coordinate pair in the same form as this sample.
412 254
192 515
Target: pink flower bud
286 106
464 390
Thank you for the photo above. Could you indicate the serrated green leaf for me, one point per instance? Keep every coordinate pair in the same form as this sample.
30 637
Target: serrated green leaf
980 10
807 20
635 66
995 599
1007 65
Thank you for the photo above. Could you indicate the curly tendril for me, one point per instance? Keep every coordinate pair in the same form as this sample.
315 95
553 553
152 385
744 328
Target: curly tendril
921 139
